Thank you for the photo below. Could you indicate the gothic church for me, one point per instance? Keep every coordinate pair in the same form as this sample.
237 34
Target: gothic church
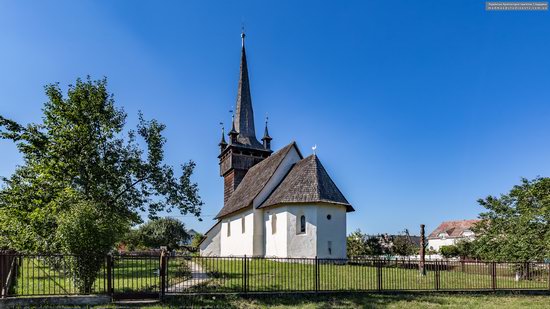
276 204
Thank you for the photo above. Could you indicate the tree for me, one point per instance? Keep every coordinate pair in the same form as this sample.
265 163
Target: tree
360 244
163 232
449 251
197 239
87 234
516 226
357 244
81 154
403 245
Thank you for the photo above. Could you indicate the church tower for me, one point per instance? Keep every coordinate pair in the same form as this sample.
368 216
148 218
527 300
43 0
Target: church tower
243 150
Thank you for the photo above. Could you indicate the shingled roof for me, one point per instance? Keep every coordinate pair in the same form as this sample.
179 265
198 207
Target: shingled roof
307 182
453 229
253 182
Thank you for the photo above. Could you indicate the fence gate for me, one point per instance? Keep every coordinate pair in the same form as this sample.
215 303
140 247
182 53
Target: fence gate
135 276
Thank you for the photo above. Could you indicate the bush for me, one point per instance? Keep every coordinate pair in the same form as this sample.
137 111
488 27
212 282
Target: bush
88 235
449 251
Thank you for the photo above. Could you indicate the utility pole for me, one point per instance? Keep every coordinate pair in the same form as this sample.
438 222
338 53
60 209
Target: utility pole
421 263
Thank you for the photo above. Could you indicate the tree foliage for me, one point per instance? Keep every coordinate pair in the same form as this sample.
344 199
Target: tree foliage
516 226
403 245
360 244
80 152
163 232
197 239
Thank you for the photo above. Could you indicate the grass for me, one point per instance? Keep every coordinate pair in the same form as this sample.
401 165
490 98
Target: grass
271 275
47 276
140 274
357 300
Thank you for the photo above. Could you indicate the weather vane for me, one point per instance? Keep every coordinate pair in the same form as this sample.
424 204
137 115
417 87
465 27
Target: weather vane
314 148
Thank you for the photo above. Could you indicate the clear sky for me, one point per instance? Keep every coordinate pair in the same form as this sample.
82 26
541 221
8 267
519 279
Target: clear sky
418 108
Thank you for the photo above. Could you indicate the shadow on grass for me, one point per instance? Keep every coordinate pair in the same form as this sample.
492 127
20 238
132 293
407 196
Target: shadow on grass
358 300
343 300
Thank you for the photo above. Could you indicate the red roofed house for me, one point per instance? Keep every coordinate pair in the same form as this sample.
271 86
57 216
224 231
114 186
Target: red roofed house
449 232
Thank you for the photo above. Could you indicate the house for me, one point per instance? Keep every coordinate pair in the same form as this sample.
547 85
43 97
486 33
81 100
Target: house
276 204
449 232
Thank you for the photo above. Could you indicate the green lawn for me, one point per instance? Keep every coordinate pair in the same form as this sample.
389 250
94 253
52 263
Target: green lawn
47 276
268 275
358 300
40 276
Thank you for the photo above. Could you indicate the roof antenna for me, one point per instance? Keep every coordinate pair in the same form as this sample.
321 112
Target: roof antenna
314 148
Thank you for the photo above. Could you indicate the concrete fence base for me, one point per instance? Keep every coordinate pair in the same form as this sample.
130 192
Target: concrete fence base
77 300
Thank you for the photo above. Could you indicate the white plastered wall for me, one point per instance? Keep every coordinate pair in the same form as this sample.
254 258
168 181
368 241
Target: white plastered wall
276 243
210 246
259 221
238 243
301 244
333 231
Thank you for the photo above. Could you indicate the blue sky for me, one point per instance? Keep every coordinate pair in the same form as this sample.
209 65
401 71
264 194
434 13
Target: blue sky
418 108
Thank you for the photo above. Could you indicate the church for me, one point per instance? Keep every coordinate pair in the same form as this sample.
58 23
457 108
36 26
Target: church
276 204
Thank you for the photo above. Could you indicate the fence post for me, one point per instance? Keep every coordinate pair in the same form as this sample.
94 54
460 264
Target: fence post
317 283
494 275
109 262
245 275
379 275
437 276
548 276
162 273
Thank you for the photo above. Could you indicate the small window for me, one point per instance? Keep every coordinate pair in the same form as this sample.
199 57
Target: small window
329 217
302 224
243 225
228 228
273 223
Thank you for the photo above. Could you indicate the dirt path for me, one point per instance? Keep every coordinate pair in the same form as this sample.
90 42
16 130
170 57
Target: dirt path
198 276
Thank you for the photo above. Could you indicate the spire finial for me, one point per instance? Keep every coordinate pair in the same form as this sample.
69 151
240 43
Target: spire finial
243 35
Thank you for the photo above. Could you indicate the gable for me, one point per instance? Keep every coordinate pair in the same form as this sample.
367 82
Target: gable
254 181
307 182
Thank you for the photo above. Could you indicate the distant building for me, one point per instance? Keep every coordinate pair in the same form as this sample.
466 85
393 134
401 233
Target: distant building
276 204
449 232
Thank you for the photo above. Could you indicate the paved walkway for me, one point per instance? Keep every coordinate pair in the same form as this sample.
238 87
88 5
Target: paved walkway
198 276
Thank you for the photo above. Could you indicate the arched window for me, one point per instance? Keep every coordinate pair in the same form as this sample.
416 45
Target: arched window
243 225
302 224
273 223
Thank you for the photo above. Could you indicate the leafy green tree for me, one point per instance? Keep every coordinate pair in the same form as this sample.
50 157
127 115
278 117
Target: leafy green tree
449 251
516 225
196 240
403 245
88 235
357 244
168 232
81 154
360 244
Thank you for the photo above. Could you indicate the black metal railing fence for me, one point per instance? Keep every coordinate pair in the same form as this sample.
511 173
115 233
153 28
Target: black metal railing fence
157 274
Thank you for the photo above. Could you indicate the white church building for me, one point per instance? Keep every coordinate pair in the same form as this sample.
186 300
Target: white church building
276 204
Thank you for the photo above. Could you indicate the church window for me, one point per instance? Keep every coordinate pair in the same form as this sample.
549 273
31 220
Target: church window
302 224
243 225
273 223
330 247
228 228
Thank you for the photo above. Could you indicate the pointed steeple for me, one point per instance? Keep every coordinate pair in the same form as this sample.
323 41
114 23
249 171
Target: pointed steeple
222 143
233 133
244 116
266 139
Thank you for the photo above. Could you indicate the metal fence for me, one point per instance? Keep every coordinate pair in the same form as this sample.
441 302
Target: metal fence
154 275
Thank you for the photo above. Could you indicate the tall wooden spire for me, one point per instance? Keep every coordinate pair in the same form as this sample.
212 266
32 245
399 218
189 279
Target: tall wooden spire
244 116
243 150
